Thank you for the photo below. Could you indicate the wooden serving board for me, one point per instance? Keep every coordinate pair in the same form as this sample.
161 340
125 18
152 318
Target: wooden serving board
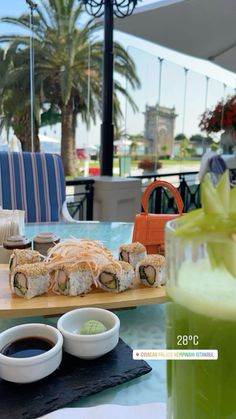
50 304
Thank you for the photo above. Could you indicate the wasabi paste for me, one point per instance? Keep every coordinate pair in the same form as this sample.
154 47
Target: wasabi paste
92 327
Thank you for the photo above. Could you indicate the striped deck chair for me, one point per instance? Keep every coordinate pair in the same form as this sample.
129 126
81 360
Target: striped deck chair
35 183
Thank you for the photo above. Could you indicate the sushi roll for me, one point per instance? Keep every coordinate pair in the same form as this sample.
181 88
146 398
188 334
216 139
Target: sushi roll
22 257
116 276
72 278
132 253
30 280
151 270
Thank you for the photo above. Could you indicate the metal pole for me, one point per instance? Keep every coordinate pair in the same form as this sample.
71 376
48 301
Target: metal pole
205 108
107 128
88 91
160 79
97 8
206 93
31 81
158 109
32 6
206 100
223 106
126 100
185 93
224 90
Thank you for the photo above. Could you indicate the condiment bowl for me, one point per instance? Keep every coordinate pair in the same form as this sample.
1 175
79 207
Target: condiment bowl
89 346
32 368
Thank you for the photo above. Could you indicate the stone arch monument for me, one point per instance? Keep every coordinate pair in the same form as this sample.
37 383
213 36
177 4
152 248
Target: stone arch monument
159 130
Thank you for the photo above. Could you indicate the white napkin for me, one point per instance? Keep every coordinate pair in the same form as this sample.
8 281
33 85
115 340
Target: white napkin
108 411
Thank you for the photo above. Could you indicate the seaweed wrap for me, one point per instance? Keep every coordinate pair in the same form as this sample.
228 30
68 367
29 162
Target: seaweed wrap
132 253
72 279
151 270
116 276
22 257
30 280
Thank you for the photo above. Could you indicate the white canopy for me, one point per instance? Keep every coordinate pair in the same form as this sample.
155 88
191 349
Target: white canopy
201 28
122 142
47 139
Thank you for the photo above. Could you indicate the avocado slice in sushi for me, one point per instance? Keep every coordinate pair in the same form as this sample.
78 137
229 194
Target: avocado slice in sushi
20 282
124 256
147 273
109 280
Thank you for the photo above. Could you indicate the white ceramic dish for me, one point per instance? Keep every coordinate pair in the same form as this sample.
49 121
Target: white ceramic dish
89 346
27 370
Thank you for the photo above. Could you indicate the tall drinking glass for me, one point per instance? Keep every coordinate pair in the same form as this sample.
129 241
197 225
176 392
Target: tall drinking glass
201 315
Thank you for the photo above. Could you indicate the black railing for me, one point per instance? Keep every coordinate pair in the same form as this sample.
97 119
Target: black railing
80 202
161 201
80 198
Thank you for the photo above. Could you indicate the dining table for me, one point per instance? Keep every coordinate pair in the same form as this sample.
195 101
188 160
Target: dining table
141 327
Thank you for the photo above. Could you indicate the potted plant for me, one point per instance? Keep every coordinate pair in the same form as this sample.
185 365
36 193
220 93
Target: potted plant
149 165
222 118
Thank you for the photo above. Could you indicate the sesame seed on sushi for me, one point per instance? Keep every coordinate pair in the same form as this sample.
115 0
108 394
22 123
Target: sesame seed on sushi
72 278
116 276
22 257
30 280
132 253
151 270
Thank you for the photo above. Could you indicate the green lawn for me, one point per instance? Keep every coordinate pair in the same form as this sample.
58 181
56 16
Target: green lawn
134 164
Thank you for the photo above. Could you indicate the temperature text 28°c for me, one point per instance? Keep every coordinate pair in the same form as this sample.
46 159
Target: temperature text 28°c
184 340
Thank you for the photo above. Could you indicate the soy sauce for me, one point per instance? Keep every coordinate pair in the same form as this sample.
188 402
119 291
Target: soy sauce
27 347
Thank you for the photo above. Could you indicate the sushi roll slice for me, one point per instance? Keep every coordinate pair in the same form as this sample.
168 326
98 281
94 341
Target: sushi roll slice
72 278
22 257
151 270
30 280
132 253
116 276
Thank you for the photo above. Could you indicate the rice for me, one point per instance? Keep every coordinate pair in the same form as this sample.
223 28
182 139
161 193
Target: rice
151 270
72 279
116 276
30 280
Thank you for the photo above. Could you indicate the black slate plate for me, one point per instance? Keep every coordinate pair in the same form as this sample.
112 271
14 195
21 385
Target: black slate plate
74 379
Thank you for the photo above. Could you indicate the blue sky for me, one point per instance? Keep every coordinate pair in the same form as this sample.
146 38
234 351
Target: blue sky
146 58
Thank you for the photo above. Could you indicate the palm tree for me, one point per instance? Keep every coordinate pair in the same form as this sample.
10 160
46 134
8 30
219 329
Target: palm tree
15 97
61 64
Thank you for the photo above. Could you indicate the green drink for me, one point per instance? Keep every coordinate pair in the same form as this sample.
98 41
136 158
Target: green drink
203 305
201 314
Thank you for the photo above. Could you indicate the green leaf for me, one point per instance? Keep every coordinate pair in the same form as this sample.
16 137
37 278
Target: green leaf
223 191
211 201
214 224
232 201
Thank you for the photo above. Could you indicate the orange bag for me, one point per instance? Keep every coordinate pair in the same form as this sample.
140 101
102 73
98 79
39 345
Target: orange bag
149 229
